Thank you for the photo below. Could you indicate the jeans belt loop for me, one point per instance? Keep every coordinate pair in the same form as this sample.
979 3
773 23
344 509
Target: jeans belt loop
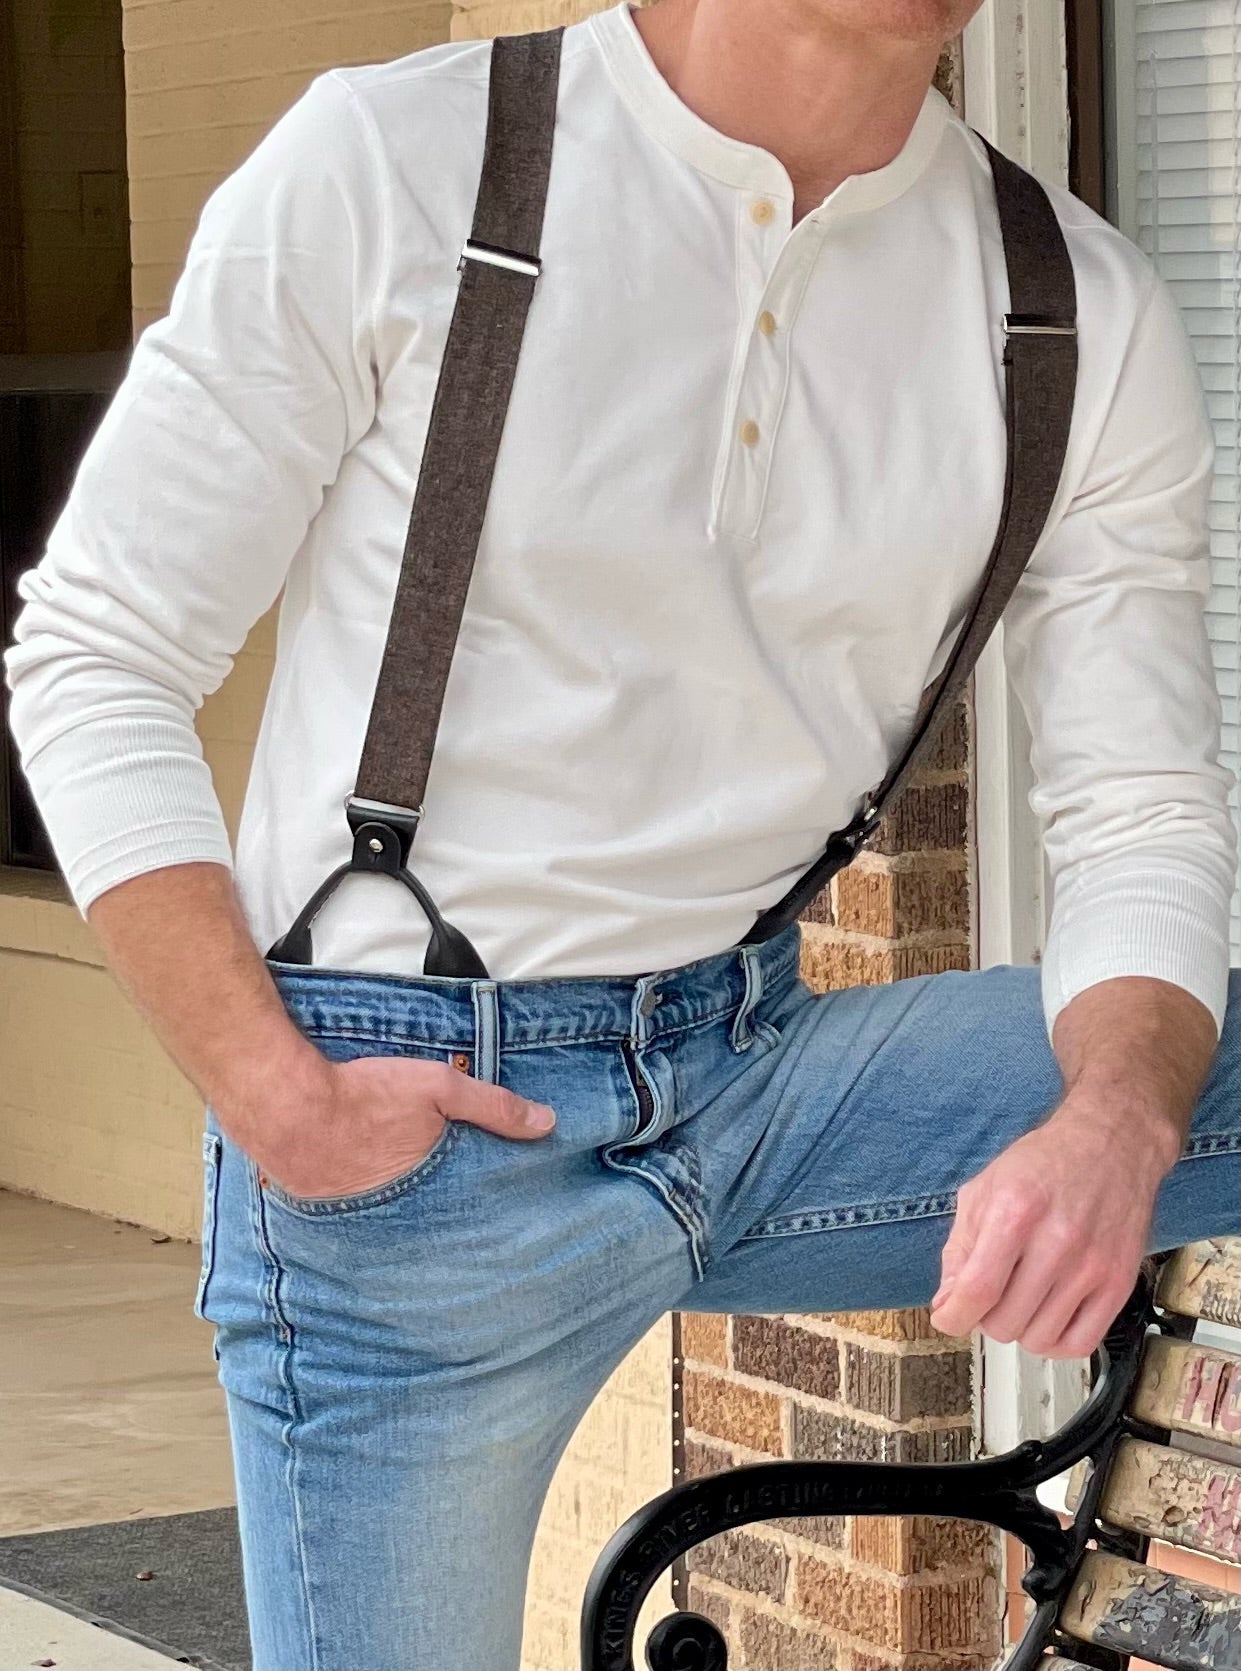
751 961
645 1000
486 1032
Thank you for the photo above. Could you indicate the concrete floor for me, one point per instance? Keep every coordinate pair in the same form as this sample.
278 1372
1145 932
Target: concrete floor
109 1404
31 1632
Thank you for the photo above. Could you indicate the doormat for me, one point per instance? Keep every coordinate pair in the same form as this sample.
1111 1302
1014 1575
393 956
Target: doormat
191 1607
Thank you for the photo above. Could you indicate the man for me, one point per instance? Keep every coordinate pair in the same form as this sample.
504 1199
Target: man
750 473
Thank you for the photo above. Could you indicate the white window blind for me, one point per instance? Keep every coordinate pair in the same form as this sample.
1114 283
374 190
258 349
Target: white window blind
1176 179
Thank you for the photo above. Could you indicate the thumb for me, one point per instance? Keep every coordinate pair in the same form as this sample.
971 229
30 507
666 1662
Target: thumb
494 1109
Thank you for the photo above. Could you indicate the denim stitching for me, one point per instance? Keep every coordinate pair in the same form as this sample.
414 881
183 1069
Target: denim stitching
926 1206
272 1293
1212 1143
307 1208
308 1024
842 1218
680 1209
545 1040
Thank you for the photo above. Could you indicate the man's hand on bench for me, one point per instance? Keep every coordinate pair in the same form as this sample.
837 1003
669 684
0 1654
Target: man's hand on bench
1049 1236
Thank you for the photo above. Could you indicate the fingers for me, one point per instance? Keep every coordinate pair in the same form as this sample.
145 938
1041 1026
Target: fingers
1020 1269
461 1097
981 1277
1072 1328
1035 1308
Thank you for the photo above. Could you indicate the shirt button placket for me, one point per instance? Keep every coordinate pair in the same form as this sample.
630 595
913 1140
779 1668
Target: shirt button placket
748 432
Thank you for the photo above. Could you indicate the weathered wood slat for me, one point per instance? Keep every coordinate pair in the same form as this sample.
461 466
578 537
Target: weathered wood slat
1172 1621
1204 1280
1176 1496
1190 1388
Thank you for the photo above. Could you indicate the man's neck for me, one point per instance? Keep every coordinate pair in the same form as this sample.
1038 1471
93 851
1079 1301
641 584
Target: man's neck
828 102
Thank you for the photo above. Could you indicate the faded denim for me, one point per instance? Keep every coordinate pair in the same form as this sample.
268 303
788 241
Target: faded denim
404 1368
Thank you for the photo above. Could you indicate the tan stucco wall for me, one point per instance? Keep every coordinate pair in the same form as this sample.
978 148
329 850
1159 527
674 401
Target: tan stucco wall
91 1111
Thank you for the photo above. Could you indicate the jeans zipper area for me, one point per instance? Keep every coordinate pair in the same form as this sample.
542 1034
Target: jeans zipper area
646 1100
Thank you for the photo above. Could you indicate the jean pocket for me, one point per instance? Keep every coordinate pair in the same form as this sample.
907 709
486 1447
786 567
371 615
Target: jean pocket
211 1194
324 1206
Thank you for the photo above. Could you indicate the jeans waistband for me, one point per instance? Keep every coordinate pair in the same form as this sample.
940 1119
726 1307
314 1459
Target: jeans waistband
442 1011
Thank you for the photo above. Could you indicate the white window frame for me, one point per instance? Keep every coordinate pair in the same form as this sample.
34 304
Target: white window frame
1016 94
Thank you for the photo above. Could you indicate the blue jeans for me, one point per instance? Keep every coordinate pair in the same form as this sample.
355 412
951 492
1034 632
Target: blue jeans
403 1368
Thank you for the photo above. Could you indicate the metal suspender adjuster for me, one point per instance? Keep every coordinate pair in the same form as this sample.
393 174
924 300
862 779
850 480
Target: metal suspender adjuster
1037 325
493 256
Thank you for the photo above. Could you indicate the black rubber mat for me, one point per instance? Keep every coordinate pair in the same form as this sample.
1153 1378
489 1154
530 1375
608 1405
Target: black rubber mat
191 1608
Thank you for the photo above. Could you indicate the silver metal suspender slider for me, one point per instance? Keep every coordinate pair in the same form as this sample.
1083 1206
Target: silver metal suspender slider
1037 325
364 809
493 256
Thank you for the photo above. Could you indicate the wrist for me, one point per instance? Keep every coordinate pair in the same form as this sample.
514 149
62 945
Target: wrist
273 1097
1120 1114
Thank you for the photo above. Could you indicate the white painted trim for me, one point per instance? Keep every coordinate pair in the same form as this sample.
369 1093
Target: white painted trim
1016 83
1016 94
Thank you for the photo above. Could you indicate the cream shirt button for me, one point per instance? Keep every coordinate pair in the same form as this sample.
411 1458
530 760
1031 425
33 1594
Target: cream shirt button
749 432
766 322
761 211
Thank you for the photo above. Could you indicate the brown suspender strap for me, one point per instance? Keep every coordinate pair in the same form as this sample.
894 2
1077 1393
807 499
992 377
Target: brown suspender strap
1040 364
499 266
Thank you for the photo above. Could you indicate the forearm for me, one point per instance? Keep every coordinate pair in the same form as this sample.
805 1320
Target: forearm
1135 1051
177 943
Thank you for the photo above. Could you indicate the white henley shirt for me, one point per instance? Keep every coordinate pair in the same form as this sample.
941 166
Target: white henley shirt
750 474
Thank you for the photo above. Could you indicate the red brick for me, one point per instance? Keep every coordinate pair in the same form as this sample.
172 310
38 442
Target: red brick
771 1644
856 1659
923 1543
737 1414
821 1435
950 750
855 1604
710 1604
703 1459
831 960
902 1386
704 1337
963 1614
744 1561
925 816
891 904
776 1351
827 1529
913 1323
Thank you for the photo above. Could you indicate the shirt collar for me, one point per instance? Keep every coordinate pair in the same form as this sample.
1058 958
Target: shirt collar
734 161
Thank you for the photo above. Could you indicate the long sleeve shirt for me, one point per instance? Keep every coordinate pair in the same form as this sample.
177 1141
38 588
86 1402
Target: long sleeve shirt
750 475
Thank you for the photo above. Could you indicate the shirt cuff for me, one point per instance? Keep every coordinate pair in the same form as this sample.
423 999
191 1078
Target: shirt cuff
121 797
1159 923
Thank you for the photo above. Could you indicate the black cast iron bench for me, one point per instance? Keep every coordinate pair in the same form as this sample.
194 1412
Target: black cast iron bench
1155 1394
